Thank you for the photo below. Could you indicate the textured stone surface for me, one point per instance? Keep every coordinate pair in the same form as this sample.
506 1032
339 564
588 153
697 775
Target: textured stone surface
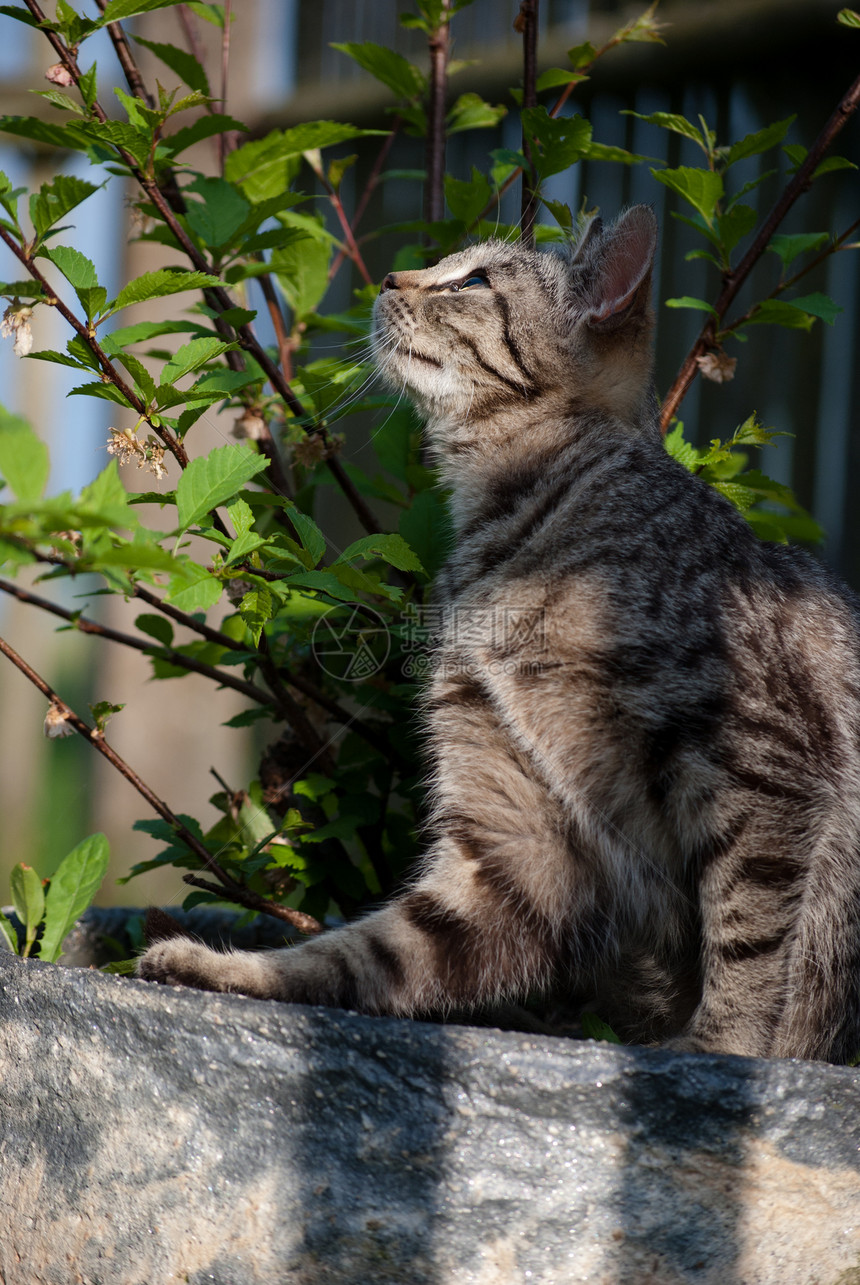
150 1135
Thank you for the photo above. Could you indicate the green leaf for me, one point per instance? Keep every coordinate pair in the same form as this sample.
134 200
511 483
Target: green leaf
115 10
220 214
311 537
554 77
701 188
391 548
594 1028
760 141
735 224
688 301
204 127
256 608
194 589
789 247
155 285
24 459
102 712
680 449
831 164
210 480
39 131
466 200
561 141
80 273
302 271
157 627
72 888
673 122
191 356
848 17
819 305
776 312
266 167
427 529
28 898
7 932
56 199
184 64
471 112
390 68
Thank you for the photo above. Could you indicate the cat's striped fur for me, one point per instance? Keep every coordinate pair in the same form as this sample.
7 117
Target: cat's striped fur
645 724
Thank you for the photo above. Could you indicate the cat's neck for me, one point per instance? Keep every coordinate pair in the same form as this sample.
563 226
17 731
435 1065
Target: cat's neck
484 461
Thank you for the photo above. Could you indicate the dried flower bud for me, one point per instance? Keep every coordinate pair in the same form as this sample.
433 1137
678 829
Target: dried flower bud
59 74
250 424
236 590
16 321
57 723
717 366
316 447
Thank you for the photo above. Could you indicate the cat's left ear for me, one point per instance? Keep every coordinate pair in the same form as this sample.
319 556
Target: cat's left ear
621 284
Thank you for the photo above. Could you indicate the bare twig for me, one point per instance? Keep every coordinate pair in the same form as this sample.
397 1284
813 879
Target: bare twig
150 648
126 60
440 47
527 23
230 888
732 281
252 901
369 188
833 248
225 142
111 374
219 297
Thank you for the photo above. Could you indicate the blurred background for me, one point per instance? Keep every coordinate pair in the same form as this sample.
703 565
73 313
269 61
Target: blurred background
742 64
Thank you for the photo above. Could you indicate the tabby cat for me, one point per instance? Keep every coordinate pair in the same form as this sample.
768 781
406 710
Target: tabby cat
644 723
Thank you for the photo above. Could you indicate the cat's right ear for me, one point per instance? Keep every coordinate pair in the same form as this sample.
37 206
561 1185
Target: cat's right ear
620 283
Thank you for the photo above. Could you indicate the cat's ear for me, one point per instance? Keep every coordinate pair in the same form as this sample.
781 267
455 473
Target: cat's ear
621 282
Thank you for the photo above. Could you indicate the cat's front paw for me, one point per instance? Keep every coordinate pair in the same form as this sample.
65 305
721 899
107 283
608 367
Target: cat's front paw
180 962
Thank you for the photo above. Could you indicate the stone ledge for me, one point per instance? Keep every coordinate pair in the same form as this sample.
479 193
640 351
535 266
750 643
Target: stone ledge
151 1135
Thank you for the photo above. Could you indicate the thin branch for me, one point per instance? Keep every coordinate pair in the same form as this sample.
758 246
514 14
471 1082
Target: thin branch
440 47
230 888
833 248
225 141
732 281
252 901
527 23
126 60
152 648
111 374
219 296
369 188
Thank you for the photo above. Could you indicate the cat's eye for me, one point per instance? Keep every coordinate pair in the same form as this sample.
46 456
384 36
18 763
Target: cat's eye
468 283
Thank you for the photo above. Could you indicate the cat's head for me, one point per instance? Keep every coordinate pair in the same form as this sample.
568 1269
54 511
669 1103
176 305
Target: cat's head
502 326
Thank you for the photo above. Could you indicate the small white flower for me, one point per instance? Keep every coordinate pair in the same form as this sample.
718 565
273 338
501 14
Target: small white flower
717 366
57 723
16 321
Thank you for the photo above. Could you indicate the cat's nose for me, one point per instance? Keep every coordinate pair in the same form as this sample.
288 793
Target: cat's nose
389 283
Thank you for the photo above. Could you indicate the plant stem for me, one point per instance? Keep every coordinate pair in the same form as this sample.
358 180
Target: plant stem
732 281
253 901
85 626
95 738
527 23
369 188
440 47
218 296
